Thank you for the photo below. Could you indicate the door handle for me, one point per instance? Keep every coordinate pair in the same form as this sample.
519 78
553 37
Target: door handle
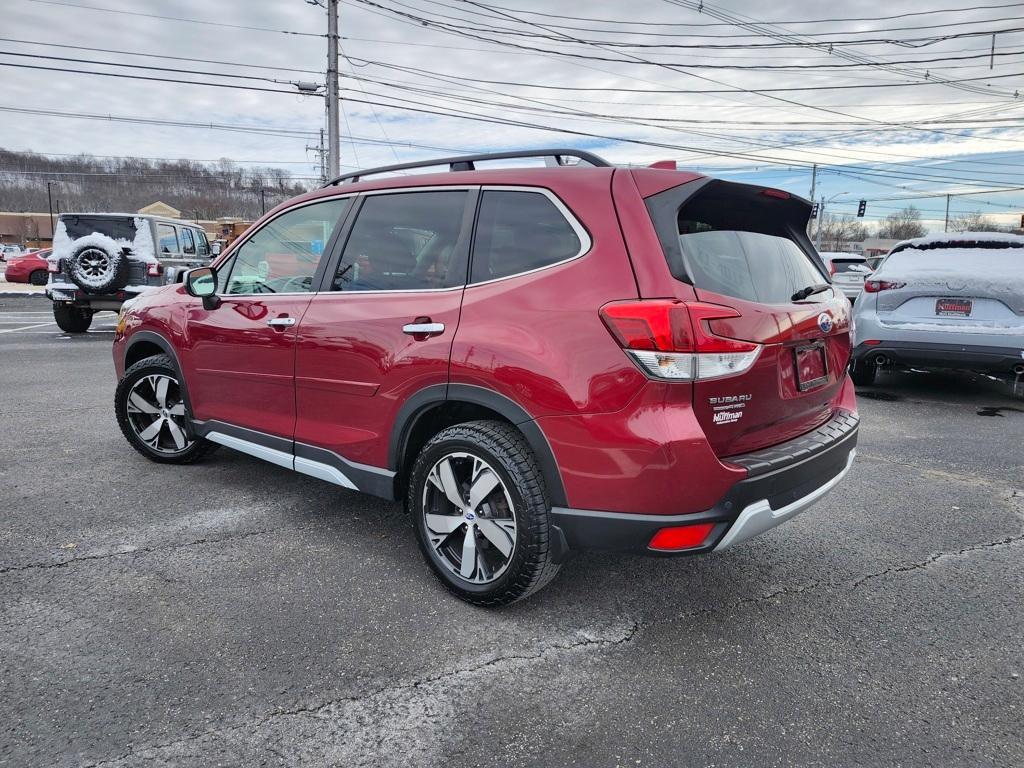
423 329
281 322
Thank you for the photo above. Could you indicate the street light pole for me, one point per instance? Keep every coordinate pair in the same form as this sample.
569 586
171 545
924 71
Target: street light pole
49 199
333 105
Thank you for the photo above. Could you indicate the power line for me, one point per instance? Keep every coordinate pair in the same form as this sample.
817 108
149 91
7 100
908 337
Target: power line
177 18
176 58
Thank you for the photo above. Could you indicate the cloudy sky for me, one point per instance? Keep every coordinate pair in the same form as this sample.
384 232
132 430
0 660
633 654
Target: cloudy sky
891 101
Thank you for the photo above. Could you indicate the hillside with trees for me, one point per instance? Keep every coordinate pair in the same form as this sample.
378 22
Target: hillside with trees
85 182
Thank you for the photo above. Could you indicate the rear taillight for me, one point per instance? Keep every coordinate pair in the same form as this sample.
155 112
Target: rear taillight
831 268
874 286
53 266
672 340
155 269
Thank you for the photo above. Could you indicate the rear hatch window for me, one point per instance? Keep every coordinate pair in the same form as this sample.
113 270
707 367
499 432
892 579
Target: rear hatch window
853 266
745 248
113 227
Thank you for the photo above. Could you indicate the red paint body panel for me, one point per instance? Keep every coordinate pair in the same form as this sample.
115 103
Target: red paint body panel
20 268
240 370
355 367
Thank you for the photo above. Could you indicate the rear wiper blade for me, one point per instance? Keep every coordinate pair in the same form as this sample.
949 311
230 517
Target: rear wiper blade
810 290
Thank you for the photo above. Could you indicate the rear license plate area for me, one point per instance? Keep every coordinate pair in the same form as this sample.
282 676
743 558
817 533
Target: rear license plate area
811 366
953 307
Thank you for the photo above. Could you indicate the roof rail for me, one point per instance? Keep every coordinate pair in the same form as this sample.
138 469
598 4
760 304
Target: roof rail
555 157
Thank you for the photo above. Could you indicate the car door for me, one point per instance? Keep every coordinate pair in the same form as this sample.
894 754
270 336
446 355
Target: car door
241 355
382 327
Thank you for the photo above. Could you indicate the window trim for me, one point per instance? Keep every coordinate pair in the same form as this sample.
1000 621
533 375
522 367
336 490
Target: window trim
586 242
468 228
325 257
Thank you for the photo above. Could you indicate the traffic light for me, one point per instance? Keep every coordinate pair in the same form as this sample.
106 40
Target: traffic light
814 211
861 207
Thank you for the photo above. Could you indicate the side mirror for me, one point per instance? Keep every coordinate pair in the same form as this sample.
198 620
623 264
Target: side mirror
202 283
216 247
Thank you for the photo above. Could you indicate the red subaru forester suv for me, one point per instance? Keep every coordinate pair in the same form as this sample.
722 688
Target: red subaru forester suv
536 359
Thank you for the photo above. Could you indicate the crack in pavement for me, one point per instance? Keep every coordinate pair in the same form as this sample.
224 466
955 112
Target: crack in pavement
337 709
440 684
137 551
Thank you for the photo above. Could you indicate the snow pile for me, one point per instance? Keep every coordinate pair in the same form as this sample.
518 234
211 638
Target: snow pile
142 247
959 325
957 238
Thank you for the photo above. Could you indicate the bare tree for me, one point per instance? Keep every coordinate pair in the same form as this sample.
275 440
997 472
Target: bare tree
87 183
837 230
902 225
975 222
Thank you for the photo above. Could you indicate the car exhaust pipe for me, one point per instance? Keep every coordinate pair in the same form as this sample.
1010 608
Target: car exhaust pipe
881 360
1018 369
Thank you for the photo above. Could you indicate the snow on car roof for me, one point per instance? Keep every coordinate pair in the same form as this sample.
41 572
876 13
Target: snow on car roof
959 240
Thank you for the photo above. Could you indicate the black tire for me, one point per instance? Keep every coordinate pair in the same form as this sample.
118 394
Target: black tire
863 373
157 366
39 277
98 270
71 319
530 565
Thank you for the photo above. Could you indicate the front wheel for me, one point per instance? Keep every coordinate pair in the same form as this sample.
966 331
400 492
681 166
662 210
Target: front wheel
481 513
71 319
151 411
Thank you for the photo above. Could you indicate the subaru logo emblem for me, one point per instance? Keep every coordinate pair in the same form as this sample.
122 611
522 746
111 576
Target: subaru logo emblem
470 516
825 322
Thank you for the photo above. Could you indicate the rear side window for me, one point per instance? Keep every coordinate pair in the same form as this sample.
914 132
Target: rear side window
403 242
188 245
82 226
167 238
519 231
733 240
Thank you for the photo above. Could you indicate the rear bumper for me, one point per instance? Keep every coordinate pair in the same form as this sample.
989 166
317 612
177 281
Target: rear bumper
932 355
782 481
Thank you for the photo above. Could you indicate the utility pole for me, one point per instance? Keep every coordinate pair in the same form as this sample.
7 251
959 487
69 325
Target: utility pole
333 104
321 152
821 218
49 199
814 184
946 227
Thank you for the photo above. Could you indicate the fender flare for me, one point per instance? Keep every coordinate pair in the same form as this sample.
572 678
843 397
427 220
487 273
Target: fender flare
423 401
152 337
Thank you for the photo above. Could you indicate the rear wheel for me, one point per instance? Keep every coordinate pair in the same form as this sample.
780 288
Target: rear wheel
863 373
151 411
72 319
38 277
481 513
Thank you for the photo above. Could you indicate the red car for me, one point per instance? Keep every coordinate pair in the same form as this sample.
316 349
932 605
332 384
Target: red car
536 360
28 268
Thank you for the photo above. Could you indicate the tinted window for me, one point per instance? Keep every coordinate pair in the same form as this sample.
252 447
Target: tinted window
402 242
517 232
167 238
282 256
188 245
202 246
858 266
80 226
736 241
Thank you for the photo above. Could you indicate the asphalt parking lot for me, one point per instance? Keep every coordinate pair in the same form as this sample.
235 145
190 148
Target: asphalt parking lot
233 613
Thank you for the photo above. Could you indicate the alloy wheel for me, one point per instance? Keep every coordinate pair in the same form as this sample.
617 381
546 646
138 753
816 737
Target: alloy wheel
469 518
156 412
94 263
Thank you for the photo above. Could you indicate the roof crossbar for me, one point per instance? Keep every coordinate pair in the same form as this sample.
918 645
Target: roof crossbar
553 157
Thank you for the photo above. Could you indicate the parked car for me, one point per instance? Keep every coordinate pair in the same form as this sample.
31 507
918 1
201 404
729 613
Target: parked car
536 360
9 251
848 271
28 268
101 260
944 301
